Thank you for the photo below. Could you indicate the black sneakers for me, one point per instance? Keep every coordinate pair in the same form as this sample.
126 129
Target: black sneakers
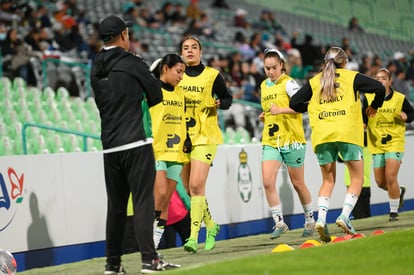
157 265
393 217
114 270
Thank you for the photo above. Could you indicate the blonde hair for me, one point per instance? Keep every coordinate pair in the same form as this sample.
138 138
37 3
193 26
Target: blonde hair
335 58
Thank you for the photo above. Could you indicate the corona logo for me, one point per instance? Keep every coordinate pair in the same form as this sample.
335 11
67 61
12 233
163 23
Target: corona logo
11 196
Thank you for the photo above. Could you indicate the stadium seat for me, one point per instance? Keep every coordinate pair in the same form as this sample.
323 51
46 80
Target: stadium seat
48 92
6 148
77 104
5 82
19 82
54 143
3 129
62 94
41 146
16 135
326 20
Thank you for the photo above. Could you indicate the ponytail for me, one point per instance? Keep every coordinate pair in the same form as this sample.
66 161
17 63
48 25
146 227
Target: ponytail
335 58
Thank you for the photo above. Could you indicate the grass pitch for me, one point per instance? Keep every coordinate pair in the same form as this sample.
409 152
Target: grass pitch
388 253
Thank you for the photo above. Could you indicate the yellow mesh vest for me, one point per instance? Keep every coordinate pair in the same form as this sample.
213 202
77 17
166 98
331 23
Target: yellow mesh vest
339 120
284 129
168 126
201 112
386 130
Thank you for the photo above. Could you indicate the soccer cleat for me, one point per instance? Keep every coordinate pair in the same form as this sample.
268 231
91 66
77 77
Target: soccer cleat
158 232
402 193
157 265
309 228
211 237
393 217
168 266
323 231
278 230
190 245
114 270
345 224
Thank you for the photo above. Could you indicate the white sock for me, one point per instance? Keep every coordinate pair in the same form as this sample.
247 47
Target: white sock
307 209
276 212
394 203
349 204
323 207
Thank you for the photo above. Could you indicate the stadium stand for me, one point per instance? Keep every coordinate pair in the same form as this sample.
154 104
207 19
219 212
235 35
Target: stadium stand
59 105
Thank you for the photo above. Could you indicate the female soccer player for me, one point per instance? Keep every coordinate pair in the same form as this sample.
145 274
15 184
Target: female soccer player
205 90
332 100
386 140
283 141
169 133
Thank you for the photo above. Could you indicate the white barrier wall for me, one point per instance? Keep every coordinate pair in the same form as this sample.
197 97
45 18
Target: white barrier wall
59 199
63 200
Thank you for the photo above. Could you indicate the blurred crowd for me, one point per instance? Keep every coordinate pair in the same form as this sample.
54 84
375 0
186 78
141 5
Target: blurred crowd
33 30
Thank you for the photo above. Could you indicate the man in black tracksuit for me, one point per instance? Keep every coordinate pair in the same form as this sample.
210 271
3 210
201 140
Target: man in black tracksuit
121 81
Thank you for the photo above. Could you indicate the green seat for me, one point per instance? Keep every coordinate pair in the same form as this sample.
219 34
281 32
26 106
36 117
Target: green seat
77 125
97 144
7 92
91 108
26 117
18 82
54 143
16 136
62 93
242 136
3 129
73 143
33 93
48 92
55 116
92 127
230 136
5 82
11 117
77 104
6 148
40 146
41 117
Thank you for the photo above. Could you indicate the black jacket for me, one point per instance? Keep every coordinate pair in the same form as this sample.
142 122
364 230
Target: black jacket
120 82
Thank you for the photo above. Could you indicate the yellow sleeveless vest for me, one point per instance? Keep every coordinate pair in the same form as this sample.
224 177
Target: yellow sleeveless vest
168 127
284 129
339 120
386 130
200 107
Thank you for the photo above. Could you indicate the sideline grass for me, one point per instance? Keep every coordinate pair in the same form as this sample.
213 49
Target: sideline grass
388 253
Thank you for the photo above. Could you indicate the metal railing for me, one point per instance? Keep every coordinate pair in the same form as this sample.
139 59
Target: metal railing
81 65
84 136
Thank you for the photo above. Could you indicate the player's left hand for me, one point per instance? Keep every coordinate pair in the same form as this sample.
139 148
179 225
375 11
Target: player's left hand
274 109
403 116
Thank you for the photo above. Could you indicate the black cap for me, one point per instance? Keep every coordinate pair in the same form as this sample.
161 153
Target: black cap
112 26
